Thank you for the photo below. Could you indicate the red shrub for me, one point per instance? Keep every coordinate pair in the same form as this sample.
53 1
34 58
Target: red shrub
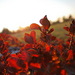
46 56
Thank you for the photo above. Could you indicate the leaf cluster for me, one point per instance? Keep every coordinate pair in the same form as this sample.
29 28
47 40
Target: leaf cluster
46 56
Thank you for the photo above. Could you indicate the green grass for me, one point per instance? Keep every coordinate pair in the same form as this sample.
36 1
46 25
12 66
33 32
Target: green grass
59 32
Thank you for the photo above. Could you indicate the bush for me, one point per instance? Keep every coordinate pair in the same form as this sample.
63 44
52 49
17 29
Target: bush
5 30
47 56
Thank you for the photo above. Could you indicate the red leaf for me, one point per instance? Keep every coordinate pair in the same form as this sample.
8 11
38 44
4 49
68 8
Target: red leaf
28 38
1 44
13 55
12 62
5 51
35 65
22 64
47 48
63 72
24 56
33 52
34 26
27 46
51 30
66 28
33 34
59 47
45 22
35 55
53 37
70 55
6 43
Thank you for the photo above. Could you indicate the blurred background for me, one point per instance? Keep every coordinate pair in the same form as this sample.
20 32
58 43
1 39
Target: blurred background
17 15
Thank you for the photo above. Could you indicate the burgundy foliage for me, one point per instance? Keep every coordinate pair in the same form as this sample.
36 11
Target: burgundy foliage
46 56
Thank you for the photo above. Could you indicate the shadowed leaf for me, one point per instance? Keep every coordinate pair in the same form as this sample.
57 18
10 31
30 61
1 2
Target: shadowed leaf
45 22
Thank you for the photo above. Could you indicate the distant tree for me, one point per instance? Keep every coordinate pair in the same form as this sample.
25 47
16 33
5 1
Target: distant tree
56 22
13 32
18 31
67 19
70 17
5 30
64 19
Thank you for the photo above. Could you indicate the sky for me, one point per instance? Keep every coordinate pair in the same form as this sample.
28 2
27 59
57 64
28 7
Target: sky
22 13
